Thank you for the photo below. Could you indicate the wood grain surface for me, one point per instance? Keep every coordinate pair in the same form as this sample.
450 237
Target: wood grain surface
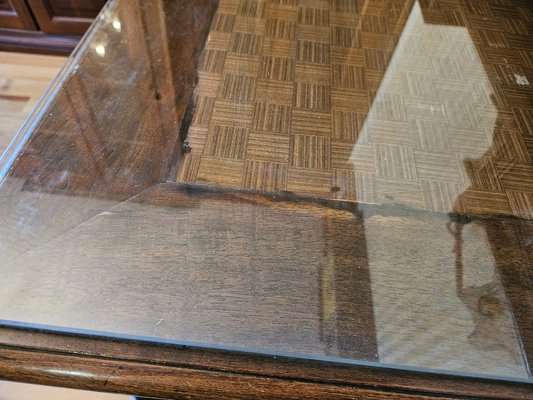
305 305
324 197
88 354
80 150
173 382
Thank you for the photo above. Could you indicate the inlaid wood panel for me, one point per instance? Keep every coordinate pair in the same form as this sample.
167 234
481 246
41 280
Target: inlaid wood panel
430 102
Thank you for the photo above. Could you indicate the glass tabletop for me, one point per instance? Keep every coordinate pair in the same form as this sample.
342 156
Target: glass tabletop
342 180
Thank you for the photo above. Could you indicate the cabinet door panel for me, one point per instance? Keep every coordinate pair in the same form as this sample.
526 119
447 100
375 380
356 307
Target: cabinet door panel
76 8
65 16
15 15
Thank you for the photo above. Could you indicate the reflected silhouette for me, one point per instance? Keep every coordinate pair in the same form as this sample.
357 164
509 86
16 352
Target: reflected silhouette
487 304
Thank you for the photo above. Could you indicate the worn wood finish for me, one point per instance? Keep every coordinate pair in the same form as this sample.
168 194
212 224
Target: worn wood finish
180 362
173 382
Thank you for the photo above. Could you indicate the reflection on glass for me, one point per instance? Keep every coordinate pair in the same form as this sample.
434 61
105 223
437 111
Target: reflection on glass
423 300
100 50
433 114
348 181
117 25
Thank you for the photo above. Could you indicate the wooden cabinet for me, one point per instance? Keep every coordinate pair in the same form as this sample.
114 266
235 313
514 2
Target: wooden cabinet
15 14
65 16
45 26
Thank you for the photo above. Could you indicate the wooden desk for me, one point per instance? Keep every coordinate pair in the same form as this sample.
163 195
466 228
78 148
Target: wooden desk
277 199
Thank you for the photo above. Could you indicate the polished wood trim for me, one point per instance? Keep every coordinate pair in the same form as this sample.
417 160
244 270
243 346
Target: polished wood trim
37 42
145 368
166 381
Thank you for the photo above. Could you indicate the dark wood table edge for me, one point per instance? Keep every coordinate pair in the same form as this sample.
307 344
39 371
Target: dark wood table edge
156 369
37 42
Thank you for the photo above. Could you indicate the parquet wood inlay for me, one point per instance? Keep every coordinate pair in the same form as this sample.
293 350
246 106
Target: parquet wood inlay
425 104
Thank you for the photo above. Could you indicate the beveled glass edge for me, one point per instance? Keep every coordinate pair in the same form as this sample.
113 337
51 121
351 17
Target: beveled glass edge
9 156
51 329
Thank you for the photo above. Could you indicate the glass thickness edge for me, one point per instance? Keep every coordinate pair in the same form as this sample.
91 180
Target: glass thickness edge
32 121
247 350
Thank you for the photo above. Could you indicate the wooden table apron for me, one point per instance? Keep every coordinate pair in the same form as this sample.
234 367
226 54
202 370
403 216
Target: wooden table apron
175 372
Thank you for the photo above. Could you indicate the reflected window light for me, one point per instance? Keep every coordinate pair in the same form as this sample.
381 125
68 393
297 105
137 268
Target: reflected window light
65 372
100 50
117 25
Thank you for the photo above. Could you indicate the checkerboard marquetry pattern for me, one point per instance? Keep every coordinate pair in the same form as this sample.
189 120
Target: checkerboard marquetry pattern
421 103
